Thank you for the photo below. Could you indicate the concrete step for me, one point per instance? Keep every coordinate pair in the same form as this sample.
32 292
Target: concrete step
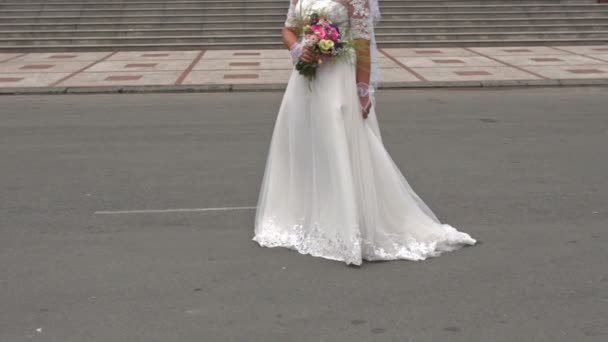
210 3
153 33
489 42
599 13
261 45
406 24
388 37
282 10
496 21
203 17
387 10
274 38
140 4
493 28
134 26
191 39
274 30
200 17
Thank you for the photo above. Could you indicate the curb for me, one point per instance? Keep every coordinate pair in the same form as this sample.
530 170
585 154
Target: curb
209 88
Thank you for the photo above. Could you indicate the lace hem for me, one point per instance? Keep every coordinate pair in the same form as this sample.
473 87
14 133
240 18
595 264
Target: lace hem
354 250
311 240
411 249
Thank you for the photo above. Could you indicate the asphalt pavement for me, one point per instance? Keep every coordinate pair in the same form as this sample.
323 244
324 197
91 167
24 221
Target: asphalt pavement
525 171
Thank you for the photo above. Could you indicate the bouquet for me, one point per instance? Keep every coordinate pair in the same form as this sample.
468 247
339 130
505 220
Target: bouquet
324 38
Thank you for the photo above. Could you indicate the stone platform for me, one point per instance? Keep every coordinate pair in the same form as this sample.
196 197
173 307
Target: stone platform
233 70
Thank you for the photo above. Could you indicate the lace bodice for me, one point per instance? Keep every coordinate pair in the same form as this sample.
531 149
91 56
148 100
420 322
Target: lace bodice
350 15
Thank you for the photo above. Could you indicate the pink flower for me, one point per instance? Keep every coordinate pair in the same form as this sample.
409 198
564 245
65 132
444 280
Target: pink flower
319 31
334 34
310 39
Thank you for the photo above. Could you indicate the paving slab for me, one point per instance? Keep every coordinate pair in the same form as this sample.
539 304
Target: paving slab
254 69
572 71
114 78
495 73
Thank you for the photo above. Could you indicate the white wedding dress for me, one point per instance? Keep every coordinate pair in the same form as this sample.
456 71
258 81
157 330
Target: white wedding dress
330 188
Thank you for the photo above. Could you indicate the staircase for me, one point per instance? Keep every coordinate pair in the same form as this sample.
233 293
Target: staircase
81 25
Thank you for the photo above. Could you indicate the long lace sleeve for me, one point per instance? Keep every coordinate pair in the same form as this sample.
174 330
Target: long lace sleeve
360 23
291 20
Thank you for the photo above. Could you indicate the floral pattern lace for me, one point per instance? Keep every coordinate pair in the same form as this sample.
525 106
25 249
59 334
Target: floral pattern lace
309 240
292 18
360 23
314 240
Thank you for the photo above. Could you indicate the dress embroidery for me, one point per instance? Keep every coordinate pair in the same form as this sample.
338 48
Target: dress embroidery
312 239
360 23
291 20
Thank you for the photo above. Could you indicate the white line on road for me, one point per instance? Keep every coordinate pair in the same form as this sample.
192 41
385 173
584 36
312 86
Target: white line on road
178 210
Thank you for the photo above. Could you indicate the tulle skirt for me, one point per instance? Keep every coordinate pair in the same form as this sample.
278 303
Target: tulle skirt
331 190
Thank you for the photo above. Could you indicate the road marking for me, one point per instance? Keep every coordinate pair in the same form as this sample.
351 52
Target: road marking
177 210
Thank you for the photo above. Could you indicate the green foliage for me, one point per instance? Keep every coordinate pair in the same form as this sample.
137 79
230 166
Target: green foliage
308 70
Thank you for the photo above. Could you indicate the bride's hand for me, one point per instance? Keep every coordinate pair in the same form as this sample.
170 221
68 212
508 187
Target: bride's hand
308 54
302 53
366 106
295 50
364 99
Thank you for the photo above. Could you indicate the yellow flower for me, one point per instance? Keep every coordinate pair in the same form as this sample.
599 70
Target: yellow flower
326 45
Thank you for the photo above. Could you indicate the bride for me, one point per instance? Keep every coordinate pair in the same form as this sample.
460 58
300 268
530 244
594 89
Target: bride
330 188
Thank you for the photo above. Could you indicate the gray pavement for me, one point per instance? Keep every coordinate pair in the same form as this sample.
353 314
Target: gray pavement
522 170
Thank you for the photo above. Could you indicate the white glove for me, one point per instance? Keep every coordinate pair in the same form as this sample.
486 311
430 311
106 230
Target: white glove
295 50
364 98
